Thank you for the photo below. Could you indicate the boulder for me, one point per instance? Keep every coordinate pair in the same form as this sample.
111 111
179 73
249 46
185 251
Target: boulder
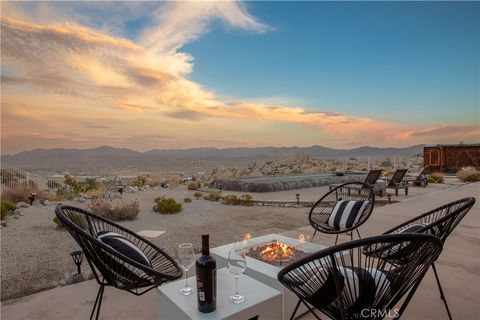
22 204
80 200
45 202
75 278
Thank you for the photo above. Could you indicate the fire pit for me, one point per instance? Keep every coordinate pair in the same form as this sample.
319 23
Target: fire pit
275 252
265 268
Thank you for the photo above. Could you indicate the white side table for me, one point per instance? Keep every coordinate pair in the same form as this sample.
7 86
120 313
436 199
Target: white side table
267 273
261 301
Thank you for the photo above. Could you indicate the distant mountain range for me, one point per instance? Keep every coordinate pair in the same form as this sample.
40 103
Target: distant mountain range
197 159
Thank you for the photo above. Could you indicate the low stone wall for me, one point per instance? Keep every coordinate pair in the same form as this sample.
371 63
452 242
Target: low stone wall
281 183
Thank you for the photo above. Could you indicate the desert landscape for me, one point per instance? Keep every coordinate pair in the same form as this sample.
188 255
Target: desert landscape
34 247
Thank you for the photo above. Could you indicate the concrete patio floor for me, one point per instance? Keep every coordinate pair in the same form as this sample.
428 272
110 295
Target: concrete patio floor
458 267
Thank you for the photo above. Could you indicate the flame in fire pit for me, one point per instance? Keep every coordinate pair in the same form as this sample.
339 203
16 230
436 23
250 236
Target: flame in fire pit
277 251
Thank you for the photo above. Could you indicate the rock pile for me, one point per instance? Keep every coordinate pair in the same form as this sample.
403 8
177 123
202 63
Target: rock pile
282 165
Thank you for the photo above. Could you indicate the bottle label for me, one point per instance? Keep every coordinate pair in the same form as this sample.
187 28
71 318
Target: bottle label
201 296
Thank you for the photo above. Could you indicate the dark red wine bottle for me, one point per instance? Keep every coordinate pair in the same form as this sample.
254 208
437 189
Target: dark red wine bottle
206 279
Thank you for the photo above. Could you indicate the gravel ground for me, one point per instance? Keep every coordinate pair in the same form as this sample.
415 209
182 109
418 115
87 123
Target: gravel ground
35 255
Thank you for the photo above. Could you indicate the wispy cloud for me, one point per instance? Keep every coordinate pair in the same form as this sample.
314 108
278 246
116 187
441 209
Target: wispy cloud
75 73
96 126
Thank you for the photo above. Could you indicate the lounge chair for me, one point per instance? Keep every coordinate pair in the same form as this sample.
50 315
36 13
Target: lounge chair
117 256
343 283
420 180
370 180
397 182
439 222
339 212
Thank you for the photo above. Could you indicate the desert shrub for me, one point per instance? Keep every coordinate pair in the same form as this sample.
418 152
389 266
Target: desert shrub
246 200
172 181
166 205
65 193
198 195
154 181
333 169
193 185
73 186
21 192
213 196
125 210
468 174
231 200
90 184
96 193
6 207
436 177
139 181
387 163
187 200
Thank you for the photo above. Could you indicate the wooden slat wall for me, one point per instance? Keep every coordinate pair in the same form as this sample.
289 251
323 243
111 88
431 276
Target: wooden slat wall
452 158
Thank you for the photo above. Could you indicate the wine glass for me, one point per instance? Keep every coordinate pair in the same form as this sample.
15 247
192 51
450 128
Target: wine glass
237 264
186 258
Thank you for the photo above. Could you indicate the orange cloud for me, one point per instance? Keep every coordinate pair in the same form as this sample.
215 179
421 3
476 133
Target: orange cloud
62 76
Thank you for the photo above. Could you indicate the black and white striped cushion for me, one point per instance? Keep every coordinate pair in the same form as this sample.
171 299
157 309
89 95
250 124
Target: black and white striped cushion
359 288
124 246
346 213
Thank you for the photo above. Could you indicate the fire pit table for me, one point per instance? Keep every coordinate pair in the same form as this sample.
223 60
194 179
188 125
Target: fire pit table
266 256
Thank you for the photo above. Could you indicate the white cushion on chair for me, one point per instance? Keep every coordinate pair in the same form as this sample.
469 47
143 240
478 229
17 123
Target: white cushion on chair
346 213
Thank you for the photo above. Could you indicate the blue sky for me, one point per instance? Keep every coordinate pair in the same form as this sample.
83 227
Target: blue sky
145 75
411 62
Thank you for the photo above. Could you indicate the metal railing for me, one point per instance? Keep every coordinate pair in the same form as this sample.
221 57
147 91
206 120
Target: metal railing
11 177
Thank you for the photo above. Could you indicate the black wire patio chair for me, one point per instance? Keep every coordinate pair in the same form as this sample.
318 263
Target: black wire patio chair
440 222
321 214
370 179
109 266
343 283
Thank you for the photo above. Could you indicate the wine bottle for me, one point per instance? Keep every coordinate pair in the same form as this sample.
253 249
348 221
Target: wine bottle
206 279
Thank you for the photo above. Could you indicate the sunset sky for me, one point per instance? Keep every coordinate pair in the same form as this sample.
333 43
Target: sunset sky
145 75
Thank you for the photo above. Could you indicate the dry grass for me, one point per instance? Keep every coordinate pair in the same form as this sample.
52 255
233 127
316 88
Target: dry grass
154 181
468 174
115 211
21 192
173 181
435 177
194 185
96 193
